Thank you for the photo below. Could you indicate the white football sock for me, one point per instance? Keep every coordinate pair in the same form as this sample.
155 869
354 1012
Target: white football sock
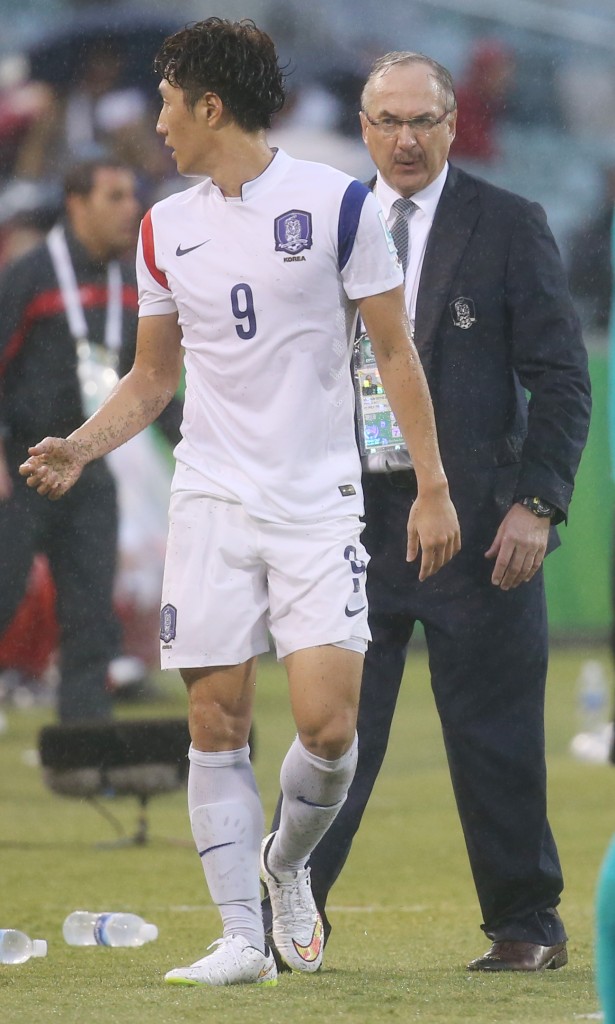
313 791
227 822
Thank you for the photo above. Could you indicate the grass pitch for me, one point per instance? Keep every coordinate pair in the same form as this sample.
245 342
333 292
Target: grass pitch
404 913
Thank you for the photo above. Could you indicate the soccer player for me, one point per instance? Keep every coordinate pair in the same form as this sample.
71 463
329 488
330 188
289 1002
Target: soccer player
257 272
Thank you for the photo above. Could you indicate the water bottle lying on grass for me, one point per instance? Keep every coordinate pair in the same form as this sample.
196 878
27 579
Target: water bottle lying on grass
82 928
17 948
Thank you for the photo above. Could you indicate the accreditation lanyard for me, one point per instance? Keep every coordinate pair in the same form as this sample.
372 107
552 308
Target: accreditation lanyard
71 297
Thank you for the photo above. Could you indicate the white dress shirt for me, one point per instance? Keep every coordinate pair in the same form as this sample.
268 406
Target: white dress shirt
420 221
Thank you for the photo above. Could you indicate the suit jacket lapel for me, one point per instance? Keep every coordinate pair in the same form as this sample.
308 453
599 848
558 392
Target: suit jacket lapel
452 227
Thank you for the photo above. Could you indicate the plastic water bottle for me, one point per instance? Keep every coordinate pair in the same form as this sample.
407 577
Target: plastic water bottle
592 696
594 742
16 947
82 928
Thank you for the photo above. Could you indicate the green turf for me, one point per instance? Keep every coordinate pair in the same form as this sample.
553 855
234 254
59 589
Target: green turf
404 911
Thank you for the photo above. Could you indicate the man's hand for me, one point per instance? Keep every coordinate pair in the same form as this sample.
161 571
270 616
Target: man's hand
518 548
433 527
53 466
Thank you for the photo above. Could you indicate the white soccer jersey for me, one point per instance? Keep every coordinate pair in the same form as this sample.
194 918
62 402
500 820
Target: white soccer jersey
264 287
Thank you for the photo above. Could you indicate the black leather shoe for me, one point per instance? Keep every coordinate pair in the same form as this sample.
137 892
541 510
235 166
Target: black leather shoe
511 955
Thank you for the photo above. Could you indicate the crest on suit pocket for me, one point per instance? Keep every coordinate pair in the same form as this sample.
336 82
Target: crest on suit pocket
463 312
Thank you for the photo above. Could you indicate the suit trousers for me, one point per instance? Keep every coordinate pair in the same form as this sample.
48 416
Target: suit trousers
78 534
488 661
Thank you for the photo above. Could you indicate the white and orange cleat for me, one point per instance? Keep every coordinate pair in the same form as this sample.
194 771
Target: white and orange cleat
297 926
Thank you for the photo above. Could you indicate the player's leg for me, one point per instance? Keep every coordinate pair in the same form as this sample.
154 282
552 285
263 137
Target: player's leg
382 675
392 592
212 628
227 823
319 623
315 777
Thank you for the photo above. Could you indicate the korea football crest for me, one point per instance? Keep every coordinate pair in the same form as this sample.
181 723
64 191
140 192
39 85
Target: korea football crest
463 312
293 232
168 623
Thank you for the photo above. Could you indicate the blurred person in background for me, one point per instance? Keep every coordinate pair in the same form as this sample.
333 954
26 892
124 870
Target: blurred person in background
590 269
71 293
92 115
487 297
28 210
22 104
306 129
483 98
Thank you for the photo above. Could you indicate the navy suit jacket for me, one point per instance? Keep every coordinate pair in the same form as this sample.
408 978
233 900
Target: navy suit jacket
495 324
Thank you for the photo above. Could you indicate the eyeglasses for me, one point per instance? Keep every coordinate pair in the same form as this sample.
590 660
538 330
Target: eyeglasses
390 126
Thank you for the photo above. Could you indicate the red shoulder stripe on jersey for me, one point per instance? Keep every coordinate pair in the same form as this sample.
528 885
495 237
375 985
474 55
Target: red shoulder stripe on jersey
50 303
149 253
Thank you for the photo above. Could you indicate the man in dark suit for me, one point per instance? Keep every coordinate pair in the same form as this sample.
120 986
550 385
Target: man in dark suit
488 300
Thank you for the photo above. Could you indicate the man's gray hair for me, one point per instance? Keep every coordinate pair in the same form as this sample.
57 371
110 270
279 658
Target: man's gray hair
390 60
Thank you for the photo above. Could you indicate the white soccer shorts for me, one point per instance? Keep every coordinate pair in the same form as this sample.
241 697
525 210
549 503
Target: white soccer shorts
230 580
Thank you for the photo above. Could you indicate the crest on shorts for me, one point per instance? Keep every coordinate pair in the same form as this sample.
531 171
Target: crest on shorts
293 231
463 312
168 623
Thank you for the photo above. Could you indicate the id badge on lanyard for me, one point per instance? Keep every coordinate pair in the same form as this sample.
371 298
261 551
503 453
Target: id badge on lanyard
97 365
377 427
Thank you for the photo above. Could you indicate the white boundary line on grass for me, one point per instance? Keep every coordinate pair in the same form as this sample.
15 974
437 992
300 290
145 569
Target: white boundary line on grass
337 908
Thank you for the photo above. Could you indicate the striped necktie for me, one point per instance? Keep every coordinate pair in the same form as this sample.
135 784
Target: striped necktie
399 231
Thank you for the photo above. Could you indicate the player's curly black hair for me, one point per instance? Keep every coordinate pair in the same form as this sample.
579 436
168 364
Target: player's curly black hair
236 60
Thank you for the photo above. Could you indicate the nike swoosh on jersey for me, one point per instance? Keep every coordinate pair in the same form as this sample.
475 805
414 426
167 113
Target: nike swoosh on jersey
311 952
182 252
350 613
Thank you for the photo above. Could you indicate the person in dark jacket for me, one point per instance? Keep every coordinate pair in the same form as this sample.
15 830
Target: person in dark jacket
68 317
492 316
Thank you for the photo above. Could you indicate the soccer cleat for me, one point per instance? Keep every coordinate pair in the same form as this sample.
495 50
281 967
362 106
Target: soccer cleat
235 962
297 926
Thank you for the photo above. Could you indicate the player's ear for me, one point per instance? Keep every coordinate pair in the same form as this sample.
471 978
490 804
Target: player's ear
210 109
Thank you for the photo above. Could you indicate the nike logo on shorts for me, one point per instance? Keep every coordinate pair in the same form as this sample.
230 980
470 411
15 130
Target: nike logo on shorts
351 612
182 252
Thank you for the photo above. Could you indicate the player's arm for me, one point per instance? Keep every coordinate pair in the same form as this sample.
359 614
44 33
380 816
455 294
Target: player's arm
433 521
55 464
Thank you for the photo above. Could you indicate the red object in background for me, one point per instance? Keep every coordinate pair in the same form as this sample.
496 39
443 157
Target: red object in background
30 641
481 100
140 632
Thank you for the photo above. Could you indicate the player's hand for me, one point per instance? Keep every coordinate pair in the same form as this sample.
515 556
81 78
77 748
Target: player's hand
53 466
434 528
518 548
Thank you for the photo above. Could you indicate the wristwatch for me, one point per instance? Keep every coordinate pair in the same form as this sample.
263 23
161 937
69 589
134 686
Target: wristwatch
538 506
